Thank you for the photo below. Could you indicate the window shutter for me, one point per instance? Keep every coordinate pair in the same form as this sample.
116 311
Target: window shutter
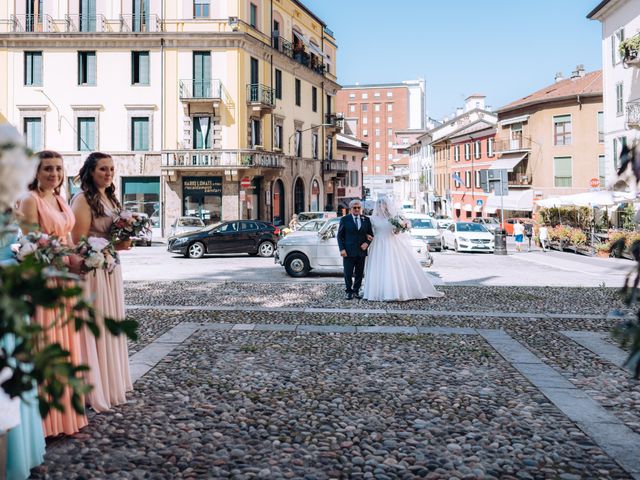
91 68
562 166
91 133
37 68
28 68
143 68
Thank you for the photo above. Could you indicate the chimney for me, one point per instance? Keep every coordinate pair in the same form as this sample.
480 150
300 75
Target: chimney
578 72
559 77
488 108
459 111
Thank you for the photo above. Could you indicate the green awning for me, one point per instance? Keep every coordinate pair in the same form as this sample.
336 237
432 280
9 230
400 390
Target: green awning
145 186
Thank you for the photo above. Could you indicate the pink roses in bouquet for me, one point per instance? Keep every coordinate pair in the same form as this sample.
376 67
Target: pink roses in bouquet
48 249
128 224
97 252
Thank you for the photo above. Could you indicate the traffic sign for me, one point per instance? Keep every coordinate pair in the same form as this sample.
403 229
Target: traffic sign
479 203
595 182
245 182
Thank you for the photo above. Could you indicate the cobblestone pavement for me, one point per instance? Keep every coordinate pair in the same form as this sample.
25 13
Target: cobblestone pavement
255 404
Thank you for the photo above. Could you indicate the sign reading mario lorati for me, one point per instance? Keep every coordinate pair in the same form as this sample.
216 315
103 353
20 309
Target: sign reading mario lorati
202 186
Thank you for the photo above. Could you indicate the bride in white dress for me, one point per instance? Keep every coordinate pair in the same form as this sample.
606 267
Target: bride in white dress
393 271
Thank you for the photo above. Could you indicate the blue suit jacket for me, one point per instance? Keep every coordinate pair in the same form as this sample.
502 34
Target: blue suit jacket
350 238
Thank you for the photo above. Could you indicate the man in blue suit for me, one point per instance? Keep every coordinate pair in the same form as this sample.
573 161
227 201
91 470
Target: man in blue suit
353 240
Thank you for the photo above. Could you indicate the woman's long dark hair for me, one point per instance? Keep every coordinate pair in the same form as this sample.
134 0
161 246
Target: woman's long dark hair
89 188
45 155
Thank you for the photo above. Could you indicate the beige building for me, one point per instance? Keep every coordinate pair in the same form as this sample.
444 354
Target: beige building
551 142
351 154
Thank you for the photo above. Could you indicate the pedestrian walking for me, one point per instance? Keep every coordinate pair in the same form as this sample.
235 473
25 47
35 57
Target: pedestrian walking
528 231
543 236
353 240
518 235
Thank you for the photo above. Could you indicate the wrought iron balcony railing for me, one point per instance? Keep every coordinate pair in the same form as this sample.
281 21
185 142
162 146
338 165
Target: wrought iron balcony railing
633 114
30 23
513 145
337 166
515 179
140 23
200 89
191 159
334 120
299 54
260 94
84 23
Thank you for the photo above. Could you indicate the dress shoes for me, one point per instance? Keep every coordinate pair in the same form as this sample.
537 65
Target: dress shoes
348 296
357 296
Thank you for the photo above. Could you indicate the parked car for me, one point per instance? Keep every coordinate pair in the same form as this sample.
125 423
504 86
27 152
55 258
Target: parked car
186 224
302 253
311 226
444 222
508 224
254 237
424 228
306 216
490 223
146 236
468 236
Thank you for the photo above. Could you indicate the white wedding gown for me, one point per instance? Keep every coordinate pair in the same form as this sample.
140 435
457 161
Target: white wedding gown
393 271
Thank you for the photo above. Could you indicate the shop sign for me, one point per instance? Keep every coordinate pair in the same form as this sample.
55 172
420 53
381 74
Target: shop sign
202 186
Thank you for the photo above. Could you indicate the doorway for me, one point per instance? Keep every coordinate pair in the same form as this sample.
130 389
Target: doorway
298 196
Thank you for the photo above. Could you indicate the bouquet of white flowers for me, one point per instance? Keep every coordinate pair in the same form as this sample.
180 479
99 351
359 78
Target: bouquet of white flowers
128 224
97 252
47 249
400 224
17 168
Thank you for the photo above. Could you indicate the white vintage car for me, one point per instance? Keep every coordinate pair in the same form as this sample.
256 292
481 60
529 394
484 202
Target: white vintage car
299 254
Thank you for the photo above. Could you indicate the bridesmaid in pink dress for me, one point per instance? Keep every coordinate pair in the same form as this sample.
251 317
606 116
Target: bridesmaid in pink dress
107 356
45 210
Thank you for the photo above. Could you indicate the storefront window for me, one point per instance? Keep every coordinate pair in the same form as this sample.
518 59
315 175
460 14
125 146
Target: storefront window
202 197
142 194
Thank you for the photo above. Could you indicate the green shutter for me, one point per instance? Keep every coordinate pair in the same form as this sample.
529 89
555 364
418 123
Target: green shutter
86 134
202 74
91 68
37 68
140 131
143 68
33 133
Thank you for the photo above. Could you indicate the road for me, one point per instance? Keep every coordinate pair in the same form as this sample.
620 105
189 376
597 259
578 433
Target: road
534 268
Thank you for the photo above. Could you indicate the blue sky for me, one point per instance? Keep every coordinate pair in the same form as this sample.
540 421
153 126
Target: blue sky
505 49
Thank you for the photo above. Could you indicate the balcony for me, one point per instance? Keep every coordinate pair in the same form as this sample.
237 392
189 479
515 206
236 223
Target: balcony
260 97
201 91
522 144
28 24
140 23
81 24
219 159
298 53
633 114
630 51
518 179
334 122
339 168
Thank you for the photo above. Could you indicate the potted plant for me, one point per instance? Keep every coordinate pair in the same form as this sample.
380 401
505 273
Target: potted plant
629 49
603 250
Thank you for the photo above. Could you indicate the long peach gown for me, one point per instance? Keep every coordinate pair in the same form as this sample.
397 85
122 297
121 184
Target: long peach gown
107 356
59 221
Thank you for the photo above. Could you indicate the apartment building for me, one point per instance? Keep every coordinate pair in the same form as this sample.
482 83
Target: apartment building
378 114
191 97
620 126
351 153
551 142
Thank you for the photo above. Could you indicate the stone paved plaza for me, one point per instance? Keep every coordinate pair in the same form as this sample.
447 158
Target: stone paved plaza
254 380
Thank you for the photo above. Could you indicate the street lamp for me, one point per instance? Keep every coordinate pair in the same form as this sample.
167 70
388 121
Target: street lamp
305 130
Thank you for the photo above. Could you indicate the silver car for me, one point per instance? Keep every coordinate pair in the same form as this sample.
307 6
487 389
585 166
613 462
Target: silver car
186 224
300 254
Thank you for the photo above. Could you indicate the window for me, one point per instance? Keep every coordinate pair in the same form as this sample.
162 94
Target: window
314 145
352 108
619 100
389 144
253 15
562 171
140 134
467 151
377 144
377 157
278 135
365 133
140 68
389 107
201 64
477 179
490 142
389 119
377 168
365 96
467 179
365 120
377 132
477 149
298 92
33 133
33 69
390 132
256 132
352 95
562 130
389 94
377 119
365 169
456 153
201 8
354 178
376 107
298 143
601 127
616 39
314 99
602 169
390 157
278 84
142 194
329 148
86 134
376 94
365 107
87 68
618 144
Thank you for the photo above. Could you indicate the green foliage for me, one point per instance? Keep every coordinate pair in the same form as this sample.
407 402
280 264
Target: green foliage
630 47
627 217
577 217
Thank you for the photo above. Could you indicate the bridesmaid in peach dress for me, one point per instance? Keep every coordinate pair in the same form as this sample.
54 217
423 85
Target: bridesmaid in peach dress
45 210
107 356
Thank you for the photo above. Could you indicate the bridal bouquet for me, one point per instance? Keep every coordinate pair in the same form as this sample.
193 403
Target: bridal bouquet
128 224
97 253
47 249
400 224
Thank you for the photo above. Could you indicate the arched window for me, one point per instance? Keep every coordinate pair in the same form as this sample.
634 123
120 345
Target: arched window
278 202
315 196
298 196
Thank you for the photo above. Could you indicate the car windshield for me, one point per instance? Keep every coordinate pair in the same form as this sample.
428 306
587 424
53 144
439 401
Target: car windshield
421 223
305 217
333 221
311 226
470 227
190 222
213 226
492 220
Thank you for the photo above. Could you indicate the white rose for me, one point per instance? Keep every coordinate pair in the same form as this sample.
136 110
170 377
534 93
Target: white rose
95 260
26 248
98 244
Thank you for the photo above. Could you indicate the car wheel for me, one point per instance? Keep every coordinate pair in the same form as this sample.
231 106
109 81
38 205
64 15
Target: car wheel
196 250
457 248
297 265
266 249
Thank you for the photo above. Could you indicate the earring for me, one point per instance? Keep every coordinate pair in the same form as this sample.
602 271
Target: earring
40 188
